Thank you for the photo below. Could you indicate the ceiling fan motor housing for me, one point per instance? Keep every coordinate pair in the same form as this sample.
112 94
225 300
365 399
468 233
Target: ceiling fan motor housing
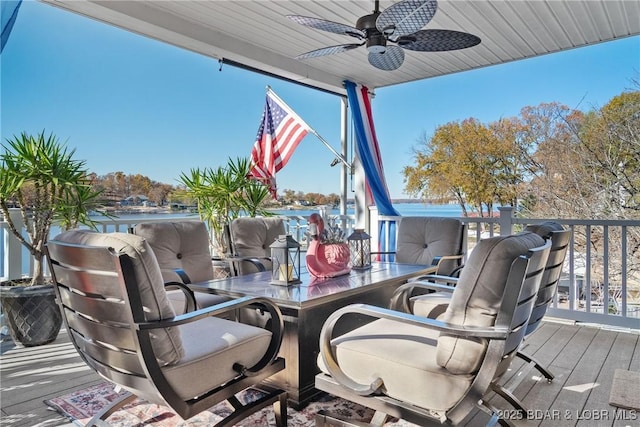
389 33
376 41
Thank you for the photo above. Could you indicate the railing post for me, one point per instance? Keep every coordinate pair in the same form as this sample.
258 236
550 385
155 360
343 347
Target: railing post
371 225
506 220
13 248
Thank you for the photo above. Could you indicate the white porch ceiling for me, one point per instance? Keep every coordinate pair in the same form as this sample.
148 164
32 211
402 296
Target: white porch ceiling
258 35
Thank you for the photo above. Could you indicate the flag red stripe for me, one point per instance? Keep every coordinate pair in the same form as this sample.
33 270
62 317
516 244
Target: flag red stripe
272 151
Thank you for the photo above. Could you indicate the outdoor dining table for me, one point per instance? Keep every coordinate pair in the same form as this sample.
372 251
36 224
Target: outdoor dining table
307 305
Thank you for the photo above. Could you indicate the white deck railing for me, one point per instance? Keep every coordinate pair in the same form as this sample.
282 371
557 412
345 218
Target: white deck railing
600 283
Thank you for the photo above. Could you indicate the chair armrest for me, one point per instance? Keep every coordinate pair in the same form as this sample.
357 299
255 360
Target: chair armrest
275 326
183 275
256 261
190 304
402 295
456 271
436 278
330 360
437 260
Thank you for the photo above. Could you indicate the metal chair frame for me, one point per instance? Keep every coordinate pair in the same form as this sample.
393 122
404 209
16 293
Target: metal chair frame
97 292
504 339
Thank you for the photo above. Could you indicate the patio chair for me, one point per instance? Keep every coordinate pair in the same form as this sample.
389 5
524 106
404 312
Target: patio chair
429 371
433 305
250 239
435 241
110 290
184 256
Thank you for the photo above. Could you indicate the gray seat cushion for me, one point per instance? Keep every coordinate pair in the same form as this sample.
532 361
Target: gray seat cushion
182 245
477 297
212 346
179 245
420 239
430 305
252 237
404 357
544 229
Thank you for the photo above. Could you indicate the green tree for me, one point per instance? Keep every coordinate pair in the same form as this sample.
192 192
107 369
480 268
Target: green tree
42 176
474 164
223 193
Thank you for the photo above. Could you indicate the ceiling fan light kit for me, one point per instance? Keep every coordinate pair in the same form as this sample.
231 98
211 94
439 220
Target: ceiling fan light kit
400 23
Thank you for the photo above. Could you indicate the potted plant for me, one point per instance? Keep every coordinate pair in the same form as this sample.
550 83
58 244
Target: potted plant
223 194
40 176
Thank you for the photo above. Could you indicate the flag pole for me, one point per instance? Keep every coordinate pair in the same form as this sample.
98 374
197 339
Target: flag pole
312 130
338 155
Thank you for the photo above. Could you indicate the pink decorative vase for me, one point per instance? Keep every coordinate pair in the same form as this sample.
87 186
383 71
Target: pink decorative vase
328 259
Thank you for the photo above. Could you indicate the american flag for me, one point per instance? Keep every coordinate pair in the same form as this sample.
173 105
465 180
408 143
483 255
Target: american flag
280 132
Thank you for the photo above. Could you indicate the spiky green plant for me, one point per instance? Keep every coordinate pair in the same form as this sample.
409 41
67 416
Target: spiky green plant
40 175
223 194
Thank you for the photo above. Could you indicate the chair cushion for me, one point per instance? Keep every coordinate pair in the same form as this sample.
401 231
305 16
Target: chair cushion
404 357
212 346
544 229
167 343
549 282
420 239
252 237
430 305
203 299
179 245
477 297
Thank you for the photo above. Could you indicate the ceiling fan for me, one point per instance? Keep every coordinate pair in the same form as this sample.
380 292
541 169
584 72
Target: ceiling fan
400 24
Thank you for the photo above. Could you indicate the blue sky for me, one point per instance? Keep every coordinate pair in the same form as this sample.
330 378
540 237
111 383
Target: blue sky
131 104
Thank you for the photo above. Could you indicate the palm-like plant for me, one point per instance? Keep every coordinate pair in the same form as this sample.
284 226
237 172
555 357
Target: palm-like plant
223 194
40 175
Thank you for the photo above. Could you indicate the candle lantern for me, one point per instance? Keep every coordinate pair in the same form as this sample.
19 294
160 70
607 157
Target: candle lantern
285 261
360 248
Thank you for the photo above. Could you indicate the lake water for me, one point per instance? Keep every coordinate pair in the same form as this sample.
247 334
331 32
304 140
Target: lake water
405 209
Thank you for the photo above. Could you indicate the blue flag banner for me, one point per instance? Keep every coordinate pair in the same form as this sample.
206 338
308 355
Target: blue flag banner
368 151
8 13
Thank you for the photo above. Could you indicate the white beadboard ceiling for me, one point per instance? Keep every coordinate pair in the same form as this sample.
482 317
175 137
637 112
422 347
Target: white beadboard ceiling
257 34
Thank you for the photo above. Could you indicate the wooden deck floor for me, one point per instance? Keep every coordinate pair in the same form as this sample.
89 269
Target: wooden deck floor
583 358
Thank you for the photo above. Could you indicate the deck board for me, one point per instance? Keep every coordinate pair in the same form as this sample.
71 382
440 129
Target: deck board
578 355
584 357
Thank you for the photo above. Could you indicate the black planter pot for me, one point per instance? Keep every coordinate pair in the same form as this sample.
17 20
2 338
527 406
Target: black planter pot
31 313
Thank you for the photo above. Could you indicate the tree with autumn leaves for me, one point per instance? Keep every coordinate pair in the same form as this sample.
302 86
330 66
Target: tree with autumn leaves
550 161
476 165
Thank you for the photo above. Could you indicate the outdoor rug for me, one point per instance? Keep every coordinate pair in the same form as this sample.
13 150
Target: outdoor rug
81 405
625 389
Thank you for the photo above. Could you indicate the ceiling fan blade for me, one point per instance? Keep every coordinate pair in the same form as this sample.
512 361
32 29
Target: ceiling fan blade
438 40
406 17
330 50
330 26
390 60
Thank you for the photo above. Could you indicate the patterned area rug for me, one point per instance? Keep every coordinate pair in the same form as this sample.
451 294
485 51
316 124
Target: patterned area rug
81 405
